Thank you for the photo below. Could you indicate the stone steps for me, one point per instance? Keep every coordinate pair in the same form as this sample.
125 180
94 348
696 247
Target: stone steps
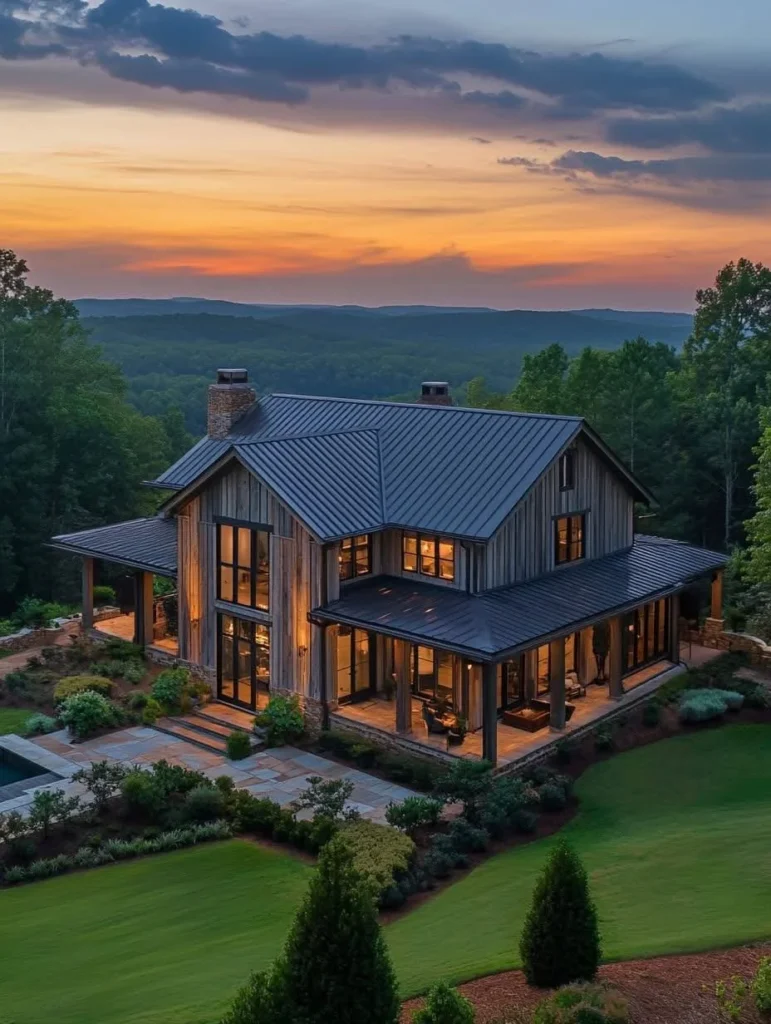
181 730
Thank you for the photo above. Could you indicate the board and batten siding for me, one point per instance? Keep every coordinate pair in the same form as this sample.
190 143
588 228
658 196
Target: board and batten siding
523 546
296 572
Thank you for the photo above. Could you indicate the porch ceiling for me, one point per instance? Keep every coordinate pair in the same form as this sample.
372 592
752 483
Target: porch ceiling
149 544
494 624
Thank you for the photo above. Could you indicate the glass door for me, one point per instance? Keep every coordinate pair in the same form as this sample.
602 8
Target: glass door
355 649
512 684
243 661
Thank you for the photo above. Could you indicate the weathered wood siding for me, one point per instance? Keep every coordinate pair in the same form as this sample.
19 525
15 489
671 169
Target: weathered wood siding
523 547
296 575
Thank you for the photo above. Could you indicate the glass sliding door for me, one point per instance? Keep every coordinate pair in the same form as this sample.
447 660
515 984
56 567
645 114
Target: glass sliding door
646 634
355 664
243 661
433 674
512 684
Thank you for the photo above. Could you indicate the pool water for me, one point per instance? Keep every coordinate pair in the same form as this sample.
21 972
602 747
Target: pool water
14 768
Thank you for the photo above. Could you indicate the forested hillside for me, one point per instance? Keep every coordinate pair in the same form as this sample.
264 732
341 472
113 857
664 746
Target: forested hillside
169 359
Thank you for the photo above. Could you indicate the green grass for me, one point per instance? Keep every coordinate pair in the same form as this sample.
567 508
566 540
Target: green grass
12 719
164 940
675 837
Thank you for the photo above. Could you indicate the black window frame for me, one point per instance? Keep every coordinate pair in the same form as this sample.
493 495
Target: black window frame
254 529
256 685
513 666
433 696
632 622
575 538
364 692
567 470
435 539
348 564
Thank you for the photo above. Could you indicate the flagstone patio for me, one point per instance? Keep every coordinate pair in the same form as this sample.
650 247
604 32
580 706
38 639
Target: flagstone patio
279 773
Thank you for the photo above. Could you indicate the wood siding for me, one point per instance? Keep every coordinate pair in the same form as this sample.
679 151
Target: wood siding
296 577
523 547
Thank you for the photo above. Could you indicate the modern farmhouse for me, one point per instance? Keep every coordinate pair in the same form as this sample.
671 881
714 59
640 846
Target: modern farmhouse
465 580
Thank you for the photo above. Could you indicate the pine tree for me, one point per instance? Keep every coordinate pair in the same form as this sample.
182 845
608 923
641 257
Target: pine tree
253 1003
335 966
561 942
444 1005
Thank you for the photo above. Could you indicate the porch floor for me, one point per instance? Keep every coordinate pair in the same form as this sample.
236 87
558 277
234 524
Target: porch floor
513 744
123 626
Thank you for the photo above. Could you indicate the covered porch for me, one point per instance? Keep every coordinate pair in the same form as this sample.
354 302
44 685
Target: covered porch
146 593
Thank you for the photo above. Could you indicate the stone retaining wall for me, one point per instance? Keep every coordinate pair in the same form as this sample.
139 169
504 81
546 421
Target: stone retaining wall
713 634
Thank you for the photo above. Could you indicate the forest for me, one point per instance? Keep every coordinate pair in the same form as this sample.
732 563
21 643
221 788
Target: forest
83 424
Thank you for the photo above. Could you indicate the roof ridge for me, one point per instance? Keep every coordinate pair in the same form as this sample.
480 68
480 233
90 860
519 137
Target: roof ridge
424 406
248 439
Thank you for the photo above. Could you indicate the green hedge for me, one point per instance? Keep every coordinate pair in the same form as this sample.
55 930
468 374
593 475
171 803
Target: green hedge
70 685
380 852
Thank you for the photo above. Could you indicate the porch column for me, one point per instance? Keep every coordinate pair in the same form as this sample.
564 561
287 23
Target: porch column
87 615
403 693
716 603
489 712
143 608
615 655
557 684
674 628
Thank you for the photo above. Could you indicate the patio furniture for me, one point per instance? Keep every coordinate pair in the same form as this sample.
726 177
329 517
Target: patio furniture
574 688
433 724
545 705
531 719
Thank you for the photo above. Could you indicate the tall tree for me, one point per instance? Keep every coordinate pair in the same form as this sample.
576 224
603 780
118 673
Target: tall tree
757 566
73 453
541 384
722 383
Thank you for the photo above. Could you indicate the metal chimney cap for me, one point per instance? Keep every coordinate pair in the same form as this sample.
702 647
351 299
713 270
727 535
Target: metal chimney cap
435 387
232 376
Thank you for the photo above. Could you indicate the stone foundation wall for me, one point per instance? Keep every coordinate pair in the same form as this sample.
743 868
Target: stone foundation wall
399 743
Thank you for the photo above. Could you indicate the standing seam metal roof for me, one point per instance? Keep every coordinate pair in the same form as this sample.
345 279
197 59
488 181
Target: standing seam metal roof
510 618
149 543
442 469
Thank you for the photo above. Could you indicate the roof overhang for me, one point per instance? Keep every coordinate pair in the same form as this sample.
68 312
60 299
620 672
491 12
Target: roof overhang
147 544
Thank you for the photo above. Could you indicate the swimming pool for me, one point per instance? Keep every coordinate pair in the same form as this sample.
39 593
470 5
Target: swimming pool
18 774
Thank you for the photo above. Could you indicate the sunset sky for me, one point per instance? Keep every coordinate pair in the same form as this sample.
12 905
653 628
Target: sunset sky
463 152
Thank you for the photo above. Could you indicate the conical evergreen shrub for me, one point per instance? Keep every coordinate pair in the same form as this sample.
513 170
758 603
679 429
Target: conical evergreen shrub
253 1003
444 1005
561 941
335 968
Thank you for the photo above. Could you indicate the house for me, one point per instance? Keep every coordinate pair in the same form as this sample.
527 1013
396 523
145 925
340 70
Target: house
416 570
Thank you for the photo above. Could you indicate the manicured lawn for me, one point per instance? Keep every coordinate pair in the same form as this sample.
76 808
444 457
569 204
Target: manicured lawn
676 838
12 719
165 940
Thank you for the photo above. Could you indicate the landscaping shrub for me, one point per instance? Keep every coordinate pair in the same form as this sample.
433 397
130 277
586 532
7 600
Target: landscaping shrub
253 1003
651 714
151 711
755 694
705 705
282 720
39 725
552 796
444 1005
238 745
378 853
141 796
560 940
204 803
469 783
87 712
468 838
103 595
413 813
169 688
364 754
439 861
50 806
335 966
102 780
564 749
70 685
14 834
122 650
326 798
159 792
525 821
252 814
34 613
761 986
410 771
506 798
603 738
137 700
582 1004
732 698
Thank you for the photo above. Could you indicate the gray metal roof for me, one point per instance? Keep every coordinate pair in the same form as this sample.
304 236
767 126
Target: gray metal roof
149 544
443 469
502 621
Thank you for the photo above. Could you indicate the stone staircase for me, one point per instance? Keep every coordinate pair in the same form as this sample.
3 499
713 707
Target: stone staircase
209 727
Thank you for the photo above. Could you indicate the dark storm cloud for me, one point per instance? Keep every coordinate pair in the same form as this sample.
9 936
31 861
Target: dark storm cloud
158 45
721 130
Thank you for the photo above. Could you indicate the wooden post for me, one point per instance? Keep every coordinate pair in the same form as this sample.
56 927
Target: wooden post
489 713
143 608
716 606
403 689
616 657
87 615
674 628
557 683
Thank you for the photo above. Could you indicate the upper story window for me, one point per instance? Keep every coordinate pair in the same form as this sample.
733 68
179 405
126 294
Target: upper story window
243 565
568 539
428 555
355 556
567 470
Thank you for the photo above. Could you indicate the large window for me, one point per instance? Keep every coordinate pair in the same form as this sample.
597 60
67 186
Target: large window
243 556
512 683
354 663
646 634
543 662
243 660
568 539
432 674
355 556
428 555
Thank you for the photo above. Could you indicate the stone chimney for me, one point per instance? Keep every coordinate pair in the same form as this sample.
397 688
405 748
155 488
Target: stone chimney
435 392
229 399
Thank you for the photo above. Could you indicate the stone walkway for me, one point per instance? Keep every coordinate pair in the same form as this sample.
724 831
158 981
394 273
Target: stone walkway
279 773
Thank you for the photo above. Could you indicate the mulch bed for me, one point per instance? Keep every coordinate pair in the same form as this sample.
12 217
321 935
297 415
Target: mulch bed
662 990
